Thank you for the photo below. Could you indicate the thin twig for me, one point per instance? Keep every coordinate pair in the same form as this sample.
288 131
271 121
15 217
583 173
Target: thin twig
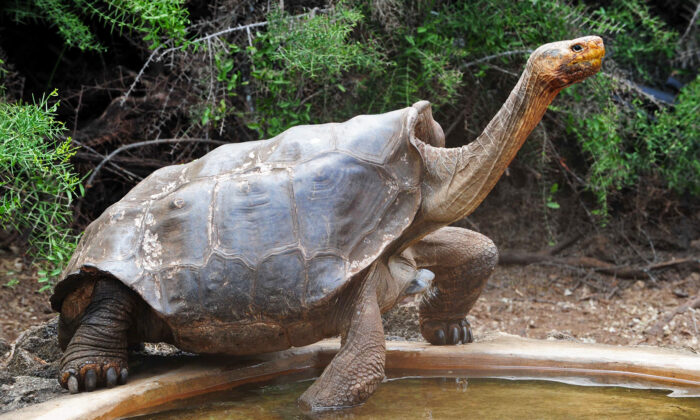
651 243
142 144
658 328
77 110
247 28
691 24
114 165
638 90
452 126
138 76
491 57
502 70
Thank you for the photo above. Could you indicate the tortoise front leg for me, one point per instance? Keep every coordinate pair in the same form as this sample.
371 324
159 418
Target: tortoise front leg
357 369
97 353
462 261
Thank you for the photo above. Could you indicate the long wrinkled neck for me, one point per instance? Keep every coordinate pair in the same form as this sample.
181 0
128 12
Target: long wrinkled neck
460 178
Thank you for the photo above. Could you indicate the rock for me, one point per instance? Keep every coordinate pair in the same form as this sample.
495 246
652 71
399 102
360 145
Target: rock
402 321
26 390
680 293
695 244
4 348
36 352
561 335
5 377
29 374
693 277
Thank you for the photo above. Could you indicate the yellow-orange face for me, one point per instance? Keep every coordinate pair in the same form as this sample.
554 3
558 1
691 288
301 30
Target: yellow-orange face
564 63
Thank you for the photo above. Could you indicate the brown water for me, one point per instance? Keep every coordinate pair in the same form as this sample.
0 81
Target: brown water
446 398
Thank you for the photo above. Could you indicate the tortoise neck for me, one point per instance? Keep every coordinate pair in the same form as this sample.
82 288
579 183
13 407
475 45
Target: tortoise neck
497 145
459 179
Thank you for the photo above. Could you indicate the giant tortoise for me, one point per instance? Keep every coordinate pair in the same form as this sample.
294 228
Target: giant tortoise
261 246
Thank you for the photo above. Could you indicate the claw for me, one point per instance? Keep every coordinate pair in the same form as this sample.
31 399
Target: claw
454 334
440 335
123 375
90 380
111 377
73 384
467 335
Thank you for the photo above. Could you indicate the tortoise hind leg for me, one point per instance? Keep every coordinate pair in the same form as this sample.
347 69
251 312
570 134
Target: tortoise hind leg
358 368
462 261
97 352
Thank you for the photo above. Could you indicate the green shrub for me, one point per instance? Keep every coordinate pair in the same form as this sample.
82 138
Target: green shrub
626 144
423 64
672 142
38 183
154 20
296 60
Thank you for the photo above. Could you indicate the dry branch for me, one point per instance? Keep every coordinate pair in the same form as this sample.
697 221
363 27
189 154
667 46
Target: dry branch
658 328
142 144
623 271
491 57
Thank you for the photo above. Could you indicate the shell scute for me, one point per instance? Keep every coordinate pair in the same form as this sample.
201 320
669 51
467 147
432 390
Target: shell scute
224 159
332 203
279 289
370 138
114 224
253 215
160 182
225 285
179 222
326 273
180 291
299 144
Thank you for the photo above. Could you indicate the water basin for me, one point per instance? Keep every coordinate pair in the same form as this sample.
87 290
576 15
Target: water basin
666 382
443 398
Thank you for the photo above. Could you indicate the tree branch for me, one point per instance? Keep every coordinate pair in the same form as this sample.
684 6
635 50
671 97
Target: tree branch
658 328
623 271
491 57
142 144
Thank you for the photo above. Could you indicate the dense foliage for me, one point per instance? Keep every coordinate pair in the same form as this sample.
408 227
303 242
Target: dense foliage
38 182
245 70
154 20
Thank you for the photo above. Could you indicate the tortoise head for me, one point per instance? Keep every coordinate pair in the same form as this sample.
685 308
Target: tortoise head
563 63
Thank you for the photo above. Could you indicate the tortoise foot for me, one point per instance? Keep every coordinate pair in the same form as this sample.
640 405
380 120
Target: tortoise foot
447 332
77 376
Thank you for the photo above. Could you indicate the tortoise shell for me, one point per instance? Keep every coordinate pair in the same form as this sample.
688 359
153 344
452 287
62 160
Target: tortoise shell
265 229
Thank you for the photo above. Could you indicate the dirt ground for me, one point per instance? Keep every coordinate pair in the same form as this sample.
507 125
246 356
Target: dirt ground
549 302
21 305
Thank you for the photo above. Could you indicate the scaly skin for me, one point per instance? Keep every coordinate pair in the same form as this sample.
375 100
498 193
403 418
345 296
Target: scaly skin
358 368
97 353
462 261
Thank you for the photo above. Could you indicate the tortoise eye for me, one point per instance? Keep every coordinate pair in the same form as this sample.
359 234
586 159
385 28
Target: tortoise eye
577 48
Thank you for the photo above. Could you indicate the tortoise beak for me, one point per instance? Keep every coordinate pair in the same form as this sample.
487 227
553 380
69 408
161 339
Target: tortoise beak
595 51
